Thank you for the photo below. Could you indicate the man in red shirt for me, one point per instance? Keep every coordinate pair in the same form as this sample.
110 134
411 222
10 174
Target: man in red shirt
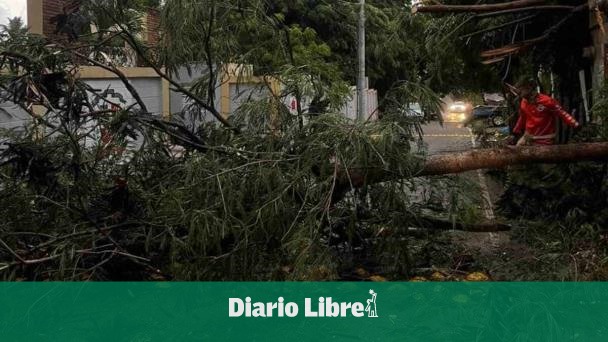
537 116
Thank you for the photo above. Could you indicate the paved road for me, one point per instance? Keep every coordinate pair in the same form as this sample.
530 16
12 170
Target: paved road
452 137
449 137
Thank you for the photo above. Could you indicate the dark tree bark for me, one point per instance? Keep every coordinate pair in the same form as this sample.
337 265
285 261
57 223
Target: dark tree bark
493 158
477 8
499 158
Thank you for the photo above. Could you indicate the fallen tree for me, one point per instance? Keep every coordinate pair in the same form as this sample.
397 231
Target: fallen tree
199 202
505 7
498 158
493 158
483 8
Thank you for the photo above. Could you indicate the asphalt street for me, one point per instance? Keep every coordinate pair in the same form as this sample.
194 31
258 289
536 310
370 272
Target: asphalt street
454 137
451 138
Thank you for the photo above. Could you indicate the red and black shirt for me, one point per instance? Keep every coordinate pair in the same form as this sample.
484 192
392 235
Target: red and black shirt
538 118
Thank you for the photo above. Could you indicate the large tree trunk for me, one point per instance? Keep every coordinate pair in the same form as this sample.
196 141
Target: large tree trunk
492 158
498 158
477 8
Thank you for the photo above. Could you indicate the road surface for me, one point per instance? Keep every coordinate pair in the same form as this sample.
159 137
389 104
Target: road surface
449 137
453 137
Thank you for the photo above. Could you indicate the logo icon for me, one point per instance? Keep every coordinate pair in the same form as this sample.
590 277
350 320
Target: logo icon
371 305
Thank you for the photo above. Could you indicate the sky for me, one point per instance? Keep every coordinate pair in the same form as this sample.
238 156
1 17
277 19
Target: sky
12 8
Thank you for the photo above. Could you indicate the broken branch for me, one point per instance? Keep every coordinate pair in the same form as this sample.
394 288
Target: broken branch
477 8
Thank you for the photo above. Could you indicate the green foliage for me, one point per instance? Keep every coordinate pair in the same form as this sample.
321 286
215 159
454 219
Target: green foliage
273 201
14 28
241 211
401 47
560 212
105 14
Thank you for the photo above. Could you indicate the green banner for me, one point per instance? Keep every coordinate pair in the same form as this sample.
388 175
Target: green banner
304 311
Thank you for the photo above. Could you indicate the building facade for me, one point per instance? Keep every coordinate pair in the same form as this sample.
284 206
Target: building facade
233 87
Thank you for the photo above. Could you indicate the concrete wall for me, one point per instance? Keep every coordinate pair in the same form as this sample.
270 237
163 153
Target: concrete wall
235 87
149 90
350 109
242 93
152 89
230 93
179 102
12 116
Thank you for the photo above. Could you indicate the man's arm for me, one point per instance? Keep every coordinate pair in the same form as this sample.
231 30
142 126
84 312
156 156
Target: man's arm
557 109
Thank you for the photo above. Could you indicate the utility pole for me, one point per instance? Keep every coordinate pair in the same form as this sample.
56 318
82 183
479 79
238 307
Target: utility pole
361 82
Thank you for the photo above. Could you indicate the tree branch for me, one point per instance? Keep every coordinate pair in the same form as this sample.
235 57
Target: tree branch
494 158
208 58
498 158
131 41
120 75
518 47
498 27
476 8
